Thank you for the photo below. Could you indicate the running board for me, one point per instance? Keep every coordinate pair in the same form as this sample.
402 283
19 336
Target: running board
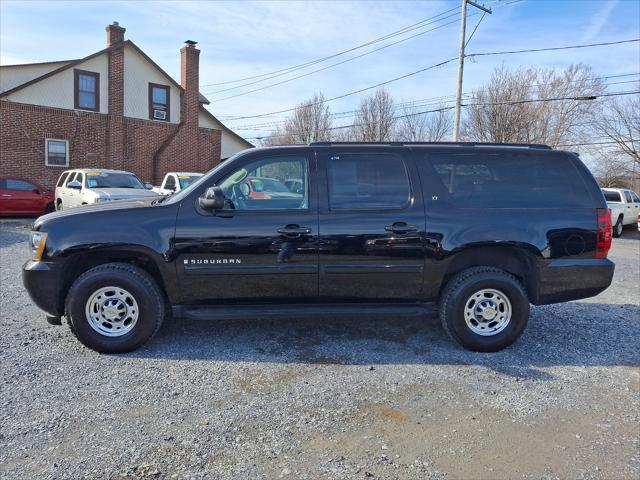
233 312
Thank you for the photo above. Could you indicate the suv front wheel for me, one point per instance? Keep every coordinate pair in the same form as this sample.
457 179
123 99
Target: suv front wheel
485 309
115 308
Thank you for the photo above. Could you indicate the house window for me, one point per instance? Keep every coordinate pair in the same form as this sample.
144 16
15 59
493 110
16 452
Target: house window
87 90
56 153
158 102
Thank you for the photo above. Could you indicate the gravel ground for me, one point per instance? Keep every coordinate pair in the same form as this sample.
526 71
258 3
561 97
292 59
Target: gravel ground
324 398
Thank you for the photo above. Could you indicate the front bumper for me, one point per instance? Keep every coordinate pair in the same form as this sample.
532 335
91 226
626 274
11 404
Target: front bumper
565 279
43 283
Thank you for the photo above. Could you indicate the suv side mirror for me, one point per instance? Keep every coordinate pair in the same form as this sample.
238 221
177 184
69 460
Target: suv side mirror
213 199
37 191
75 185
148 186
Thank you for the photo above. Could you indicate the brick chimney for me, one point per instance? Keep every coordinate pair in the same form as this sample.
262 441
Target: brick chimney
189 79
115 129
115 34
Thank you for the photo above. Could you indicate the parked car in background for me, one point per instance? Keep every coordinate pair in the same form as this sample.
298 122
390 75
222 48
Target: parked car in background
294 185
625 207
87 186
175 181
264 188
19 196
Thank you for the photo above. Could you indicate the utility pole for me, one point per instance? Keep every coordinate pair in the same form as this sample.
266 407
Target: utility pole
463 27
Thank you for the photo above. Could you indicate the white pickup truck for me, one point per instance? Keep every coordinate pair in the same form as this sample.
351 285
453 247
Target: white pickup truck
175 181
625 207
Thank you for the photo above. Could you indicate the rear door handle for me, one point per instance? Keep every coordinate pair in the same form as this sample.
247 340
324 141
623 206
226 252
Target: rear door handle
401 227
293 231
6 195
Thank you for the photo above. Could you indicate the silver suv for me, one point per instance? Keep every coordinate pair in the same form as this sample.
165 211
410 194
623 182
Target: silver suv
88 186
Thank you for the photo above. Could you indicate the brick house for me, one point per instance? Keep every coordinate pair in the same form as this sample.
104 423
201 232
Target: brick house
115 108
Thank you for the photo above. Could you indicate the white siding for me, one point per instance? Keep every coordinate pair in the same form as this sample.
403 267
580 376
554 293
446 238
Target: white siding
230 144
138 73
57 90
13 75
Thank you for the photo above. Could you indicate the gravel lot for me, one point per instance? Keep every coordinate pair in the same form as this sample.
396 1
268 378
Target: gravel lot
324 398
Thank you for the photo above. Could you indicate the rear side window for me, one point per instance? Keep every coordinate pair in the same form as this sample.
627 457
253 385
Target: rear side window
487 180
63 177
367 181
612 196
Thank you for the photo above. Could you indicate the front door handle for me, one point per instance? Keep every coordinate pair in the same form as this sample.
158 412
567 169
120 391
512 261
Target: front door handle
400 228
6 195
293 231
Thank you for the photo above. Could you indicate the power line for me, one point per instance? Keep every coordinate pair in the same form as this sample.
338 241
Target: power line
257 126
351 93
319 69
619 42
594 143
408 29
508 102
328 57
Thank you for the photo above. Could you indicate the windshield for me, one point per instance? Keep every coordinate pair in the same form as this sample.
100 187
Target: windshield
186 180
612 196
112 180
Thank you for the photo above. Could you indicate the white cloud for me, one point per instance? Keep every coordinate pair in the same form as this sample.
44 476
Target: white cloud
599 20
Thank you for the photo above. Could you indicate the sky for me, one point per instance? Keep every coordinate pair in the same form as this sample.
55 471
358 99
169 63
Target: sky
244 39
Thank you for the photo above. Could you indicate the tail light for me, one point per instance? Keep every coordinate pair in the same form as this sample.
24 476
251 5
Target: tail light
603 244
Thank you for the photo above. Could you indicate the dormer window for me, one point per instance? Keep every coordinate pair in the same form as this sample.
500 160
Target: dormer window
159 102
87 90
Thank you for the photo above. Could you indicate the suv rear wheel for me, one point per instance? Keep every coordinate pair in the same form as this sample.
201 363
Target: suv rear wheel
115 308
485 309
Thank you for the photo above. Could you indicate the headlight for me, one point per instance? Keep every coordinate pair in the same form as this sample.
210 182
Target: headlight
36 242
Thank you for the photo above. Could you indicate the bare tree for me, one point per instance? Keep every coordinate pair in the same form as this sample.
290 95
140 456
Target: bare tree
374 121
619 122
413 126
532 105
310 122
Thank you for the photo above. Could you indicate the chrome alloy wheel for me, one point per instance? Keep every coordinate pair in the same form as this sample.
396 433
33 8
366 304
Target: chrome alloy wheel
112 311
487 312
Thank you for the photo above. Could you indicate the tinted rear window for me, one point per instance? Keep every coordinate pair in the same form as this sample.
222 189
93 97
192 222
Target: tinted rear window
502 180
367 181
612 197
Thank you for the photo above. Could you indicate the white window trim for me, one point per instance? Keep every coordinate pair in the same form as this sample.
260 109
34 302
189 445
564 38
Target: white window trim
46 152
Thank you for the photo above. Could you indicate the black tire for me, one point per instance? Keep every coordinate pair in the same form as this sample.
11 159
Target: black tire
459 291
49 208
58 205
134 280
618 228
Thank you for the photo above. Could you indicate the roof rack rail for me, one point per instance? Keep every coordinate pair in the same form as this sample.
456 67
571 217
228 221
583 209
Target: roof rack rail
456 144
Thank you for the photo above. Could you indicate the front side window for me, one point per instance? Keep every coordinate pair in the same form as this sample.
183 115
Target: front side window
63 177
158 102
14 184
87 90
627 197
260 185
364 181
170 184
56 153
635 197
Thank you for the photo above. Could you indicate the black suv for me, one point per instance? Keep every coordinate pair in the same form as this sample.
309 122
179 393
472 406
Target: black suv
369 229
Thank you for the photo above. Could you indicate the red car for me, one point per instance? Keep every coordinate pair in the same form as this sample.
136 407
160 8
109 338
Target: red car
19 196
